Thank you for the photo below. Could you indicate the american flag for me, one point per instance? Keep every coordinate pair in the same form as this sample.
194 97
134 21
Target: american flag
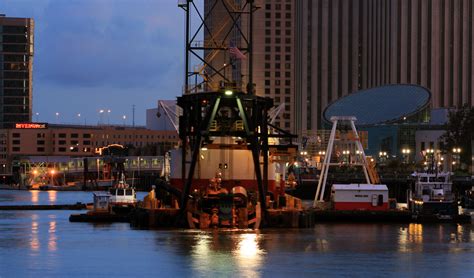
236 53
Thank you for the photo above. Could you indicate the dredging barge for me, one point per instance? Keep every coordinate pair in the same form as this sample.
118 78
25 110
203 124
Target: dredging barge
229 171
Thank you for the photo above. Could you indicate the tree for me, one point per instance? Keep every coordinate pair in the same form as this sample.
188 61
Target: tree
459 132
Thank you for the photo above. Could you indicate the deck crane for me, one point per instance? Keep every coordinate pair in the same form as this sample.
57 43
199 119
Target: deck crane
223 116
172 112
274 112
368 169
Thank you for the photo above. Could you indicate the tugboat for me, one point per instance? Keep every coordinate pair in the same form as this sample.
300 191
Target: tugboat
123 197
432 197
112 206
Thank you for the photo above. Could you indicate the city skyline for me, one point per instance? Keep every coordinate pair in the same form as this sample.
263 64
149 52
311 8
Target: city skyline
109 73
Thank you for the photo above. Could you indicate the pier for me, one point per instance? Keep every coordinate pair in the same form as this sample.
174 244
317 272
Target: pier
77 206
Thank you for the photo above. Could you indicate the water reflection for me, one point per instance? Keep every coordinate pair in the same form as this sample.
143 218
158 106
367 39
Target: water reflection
34 240
214 253
52 245
52 195
34 196
410 239
249 256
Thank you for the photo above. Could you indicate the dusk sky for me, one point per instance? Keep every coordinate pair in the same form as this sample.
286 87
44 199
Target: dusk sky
103 54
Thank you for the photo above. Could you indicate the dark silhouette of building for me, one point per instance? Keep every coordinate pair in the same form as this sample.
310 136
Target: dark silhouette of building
16 61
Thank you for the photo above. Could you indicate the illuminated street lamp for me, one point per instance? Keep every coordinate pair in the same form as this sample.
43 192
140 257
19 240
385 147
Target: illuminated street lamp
108 116
382 156
52 172
304 159
406 155
456 157
346 154
101 116
57 117
430 159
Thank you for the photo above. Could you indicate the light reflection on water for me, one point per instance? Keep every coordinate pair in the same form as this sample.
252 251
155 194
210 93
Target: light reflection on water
34 196
410 238
34 241
52 195
215 254
46 244
249 255
39 197
52 246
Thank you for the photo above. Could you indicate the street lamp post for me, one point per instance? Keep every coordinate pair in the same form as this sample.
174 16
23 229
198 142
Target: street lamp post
382 156
101 116
52 172
108 116
57 117
321 158
406 155
456 158
430 159
346 156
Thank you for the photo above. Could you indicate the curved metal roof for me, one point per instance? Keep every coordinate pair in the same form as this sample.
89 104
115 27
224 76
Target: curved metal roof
385 104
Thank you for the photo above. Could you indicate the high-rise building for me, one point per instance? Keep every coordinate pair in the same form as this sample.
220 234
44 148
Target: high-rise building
309 53
16 62
273 48
274 57
343 46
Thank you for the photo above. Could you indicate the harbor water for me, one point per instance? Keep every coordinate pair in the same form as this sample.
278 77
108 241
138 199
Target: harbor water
46 244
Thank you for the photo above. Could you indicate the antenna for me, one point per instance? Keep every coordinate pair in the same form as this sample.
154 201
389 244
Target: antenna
133 115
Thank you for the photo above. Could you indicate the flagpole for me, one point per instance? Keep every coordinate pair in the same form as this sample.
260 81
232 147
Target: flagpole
186 83
250 46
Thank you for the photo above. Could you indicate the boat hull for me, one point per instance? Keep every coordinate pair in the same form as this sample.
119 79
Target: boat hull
437 209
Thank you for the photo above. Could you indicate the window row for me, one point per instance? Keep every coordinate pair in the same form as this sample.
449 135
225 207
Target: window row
277 74
277 24
278 82
268 15
278 49
268 32
278 65
287 6
277 92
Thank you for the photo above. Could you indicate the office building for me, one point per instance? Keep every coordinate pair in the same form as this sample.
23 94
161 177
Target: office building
16 63
344 46
273 49
49 140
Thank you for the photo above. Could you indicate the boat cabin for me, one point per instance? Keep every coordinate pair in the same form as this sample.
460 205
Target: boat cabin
359 196
122 195
101 201
433 187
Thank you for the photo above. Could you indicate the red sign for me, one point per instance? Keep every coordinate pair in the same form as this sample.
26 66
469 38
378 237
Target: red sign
31 125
